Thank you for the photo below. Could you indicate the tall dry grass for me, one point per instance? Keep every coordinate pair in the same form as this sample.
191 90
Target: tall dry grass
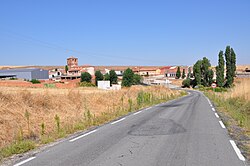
30 113
240 90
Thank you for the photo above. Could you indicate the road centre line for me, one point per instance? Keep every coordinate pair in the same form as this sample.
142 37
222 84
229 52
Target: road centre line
237 150
213 109
25 161
222 125
72 140
118 121
137 112
217 116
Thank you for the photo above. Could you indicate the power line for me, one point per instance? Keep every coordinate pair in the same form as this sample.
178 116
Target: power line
83 53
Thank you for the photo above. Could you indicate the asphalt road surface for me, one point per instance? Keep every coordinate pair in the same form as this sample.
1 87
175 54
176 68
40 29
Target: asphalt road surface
183 132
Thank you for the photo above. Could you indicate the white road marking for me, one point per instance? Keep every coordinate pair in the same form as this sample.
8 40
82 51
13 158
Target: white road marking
237 150
209 102
137 113
72 140
118 121
217 116
213 109
25 161
222 125
148 108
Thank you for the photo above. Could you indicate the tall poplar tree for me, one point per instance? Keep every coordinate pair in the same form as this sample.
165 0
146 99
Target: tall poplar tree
178 72
183 74
197 72
220 70
229 75
233 62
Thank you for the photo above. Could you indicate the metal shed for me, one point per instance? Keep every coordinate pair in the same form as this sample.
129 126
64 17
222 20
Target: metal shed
28 74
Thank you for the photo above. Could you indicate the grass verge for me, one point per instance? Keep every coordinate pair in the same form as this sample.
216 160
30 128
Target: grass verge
235 113
17 148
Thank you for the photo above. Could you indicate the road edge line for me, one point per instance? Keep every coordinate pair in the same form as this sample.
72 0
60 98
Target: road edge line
74 139
237 150
24 161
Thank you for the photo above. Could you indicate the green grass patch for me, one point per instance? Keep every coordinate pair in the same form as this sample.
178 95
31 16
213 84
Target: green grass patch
17 148
236 108
49 85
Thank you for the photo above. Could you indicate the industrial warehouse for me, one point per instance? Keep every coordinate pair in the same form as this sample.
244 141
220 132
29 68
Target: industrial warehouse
27 74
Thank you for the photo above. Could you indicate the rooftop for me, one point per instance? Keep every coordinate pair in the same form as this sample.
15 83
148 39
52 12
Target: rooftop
19 70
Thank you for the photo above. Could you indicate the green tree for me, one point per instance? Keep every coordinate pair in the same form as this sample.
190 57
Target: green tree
202 72
107 77
220 70
186 83
210 77
86 77
197 72
205 71
178 72
113 77
189 73
98 76
233 63
66 68
229 77
137 79
128 78
183 74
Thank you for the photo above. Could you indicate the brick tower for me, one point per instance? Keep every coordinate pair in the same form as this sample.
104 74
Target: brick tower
72 62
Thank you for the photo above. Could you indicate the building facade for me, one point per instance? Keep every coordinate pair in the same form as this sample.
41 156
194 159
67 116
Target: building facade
27 74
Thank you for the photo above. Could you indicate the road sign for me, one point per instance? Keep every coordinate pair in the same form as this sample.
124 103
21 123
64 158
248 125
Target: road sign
213 85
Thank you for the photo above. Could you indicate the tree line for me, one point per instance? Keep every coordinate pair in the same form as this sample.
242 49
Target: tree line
129 78
203 74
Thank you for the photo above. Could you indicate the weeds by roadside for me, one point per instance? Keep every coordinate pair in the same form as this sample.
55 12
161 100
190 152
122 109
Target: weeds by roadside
44 117
234 107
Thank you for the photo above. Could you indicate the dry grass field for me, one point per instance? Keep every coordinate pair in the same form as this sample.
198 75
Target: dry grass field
241 89
31 113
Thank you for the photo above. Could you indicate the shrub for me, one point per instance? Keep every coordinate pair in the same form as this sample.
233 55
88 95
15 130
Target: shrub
57 119
86 84
49 85
113 77
86 77
137 79
35 81
186 83
98 76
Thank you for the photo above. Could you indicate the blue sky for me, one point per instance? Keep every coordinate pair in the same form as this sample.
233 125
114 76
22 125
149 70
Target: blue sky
122 32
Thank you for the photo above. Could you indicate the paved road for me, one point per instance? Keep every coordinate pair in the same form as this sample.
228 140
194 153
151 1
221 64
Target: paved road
183 132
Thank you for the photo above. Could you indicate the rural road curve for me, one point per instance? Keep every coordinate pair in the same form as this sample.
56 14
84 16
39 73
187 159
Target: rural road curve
182 132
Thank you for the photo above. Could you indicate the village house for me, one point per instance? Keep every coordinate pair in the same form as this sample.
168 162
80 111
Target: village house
147 71
74 70
56 74
170 72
